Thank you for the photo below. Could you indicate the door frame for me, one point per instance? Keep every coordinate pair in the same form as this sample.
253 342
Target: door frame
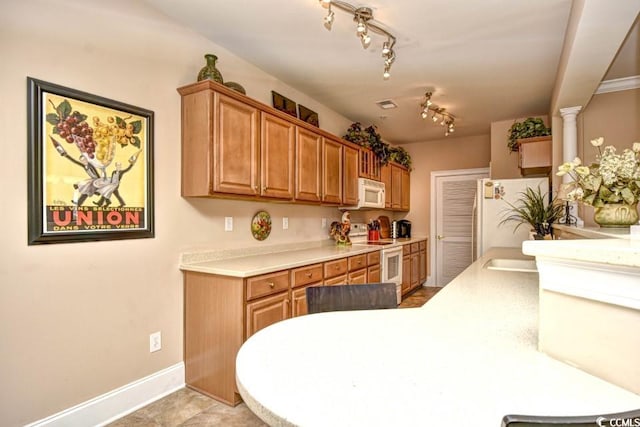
432 212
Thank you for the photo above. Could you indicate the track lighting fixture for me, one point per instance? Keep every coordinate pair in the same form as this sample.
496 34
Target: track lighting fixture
363 16
445 118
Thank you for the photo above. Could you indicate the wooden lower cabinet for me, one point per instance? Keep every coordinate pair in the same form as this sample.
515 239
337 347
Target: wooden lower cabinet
374 274
221 312
423 262
266 311
342 279
358 277
213 333
406 274
414 265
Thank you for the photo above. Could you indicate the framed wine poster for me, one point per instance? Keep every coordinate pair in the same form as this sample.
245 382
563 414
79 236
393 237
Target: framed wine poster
90 167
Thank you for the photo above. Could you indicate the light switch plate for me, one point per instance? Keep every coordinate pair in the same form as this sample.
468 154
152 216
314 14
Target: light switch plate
285 223
228 223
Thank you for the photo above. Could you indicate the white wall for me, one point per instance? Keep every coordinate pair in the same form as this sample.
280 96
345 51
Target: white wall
75 318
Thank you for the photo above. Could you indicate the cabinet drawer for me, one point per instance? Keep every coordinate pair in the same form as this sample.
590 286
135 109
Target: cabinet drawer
357 262
415 247
267 284
406 249
335 268
373 258
423 245
305 275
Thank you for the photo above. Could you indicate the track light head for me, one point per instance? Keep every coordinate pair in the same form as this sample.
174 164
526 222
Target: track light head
386 73
365 39
328 20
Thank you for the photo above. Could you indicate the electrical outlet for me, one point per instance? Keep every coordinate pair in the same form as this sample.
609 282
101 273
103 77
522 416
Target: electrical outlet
228 223
324 222
155 341
285 223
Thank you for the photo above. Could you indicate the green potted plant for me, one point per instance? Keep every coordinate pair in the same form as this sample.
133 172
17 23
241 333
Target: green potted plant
531 209
369 138
529 128
400 156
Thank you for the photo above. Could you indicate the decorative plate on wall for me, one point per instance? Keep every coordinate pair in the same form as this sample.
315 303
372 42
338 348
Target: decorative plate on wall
261 225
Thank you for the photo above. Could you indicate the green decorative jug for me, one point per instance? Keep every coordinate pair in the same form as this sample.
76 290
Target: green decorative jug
209 71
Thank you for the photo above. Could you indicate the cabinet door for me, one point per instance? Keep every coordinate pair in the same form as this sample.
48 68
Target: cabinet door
299 300
385 176
423 262
338 280
406 274
266 311
350 184
358 277
308 165
373 274
405 198
277 150
331 172
236 147
415 270
396 187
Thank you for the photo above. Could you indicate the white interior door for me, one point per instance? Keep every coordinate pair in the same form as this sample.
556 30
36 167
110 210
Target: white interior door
453 202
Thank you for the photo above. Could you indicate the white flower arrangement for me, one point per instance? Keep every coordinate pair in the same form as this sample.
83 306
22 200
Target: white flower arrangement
613 178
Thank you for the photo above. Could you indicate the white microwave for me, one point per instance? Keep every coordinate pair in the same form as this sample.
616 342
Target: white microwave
370 194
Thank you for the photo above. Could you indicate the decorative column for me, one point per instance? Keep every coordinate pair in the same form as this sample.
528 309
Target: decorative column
570 152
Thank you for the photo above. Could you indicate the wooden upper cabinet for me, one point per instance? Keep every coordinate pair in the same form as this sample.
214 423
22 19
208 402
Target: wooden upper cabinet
308 165
350 181
277 155
396 187
369 164
385 177
405 195
236 147
220 145
331 171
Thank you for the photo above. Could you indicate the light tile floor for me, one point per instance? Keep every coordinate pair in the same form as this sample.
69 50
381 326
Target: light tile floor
188 408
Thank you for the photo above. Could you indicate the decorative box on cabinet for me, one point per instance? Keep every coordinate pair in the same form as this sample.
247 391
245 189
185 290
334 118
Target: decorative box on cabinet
534 155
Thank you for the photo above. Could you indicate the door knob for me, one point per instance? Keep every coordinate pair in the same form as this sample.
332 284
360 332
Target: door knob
439 237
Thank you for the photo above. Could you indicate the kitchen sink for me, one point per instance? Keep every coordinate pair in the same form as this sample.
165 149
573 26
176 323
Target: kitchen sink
510 264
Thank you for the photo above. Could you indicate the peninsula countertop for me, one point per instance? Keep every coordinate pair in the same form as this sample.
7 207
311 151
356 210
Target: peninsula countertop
467 357
247 263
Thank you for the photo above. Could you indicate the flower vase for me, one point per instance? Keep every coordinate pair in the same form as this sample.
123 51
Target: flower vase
210 71
616 215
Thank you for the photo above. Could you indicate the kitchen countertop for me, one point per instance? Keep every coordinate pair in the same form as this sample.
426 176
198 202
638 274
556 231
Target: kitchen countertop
625 252
595 232
244 263
467 357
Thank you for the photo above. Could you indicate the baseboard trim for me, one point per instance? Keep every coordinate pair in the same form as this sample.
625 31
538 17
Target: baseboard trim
117 403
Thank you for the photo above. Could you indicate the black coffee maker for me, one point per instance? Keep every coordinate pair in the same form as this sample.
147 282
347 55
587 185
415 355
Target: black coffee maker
404 228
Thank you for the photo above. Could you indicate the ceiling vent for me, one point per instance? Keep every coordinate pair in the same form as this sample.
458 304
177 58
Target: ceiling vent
387 104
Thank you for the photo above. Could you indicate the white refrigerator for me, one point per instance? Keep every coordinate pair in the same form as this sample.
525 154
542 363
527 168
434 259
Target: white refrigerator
490 208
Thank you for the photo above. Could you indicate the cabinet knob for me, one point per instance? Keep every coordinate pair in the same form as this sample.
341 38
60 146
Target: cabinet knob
439 237
309 274
271 285
264 188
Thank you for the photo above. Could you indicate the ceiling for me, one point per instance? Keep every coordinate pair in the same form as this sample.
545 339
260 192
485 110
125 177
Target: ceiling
485 61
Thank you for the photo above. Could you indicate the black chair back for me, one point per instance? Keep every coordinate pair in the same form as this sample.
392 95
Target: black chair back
351 297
